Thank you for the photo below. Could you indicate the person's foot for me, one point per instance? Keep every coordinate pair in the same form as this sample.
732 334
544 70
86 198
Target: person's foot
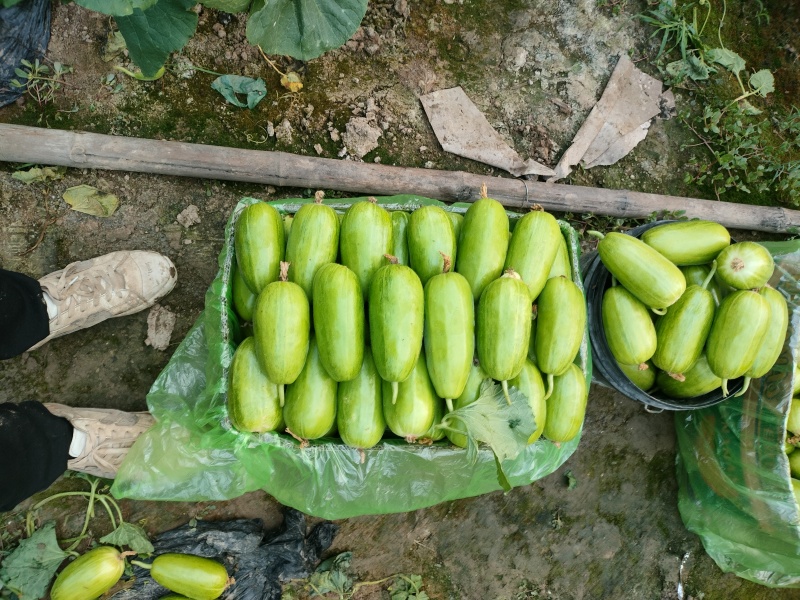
113 285
109 434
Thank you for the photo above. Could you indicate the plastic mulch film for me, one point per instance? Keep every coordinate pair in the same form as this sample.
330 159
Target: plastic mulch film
193 454
733 473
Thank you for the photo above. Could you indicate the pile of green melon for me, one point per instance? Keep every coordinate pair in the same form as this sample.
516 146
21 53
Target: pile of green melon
688 310
376 323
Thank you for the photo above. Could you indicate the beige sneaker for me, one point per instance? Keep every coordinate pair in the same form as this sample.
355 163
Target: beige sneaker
113 285
109 433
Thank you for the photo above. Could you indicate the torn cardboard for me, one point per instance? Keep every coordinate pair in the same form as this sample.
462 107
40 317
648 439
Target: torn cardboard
619 120
615 125
462 129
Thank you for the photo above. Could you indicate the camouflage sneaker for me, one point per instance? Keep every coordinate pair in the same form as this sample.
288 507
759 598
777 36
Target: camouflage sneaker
109 433
113 285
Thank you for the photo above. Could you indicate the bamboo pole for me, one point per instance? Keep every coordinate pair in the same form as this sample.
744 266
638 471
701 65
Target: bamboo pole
24 144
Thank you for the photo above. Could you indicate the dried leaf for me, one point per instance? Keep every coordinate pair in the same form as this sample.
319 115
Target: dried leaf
115 45
39 175
292 82
89 200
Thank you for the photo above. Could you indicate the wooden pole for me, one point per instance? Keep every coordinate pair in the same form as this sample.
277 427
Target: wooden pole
24 144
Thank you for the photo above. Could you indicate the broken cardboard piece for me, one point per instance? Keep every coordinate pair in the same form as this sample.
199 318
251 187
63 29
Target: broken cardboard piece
462 129
615 125
619 120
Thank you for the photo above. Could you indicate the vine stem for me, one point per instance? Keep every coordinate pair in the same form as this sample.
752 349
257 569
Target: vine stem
710 274
270 63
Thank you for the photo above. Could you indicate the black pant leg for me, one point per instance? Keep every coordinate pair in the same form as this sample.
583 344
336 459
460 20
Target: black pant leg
23 314
34 450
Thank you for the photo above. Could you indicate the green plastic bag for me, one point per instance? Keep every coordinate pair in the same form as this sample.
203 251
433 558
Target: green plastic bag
735 491
193 454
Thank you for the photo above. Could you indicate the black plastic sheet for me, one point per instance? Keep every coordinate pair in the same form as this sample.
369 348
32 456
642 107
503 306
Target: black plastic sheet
258 561
24 35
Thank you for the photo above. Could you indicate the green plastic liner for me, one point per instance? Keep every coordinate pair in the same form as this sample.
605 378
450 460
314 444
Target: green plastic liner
193 454
734 486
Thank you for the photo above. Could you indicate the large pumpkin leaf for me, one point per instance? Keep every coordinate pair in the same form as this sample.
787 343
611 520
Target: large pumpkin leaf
116 8
228 6
303 29
151 35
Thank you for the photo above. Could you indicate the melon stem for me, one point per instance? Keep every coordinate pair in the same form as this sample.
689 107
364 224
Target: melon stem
659 311
744 388
724 388
504 385
549 386
281 394
395 389
710 274
449 402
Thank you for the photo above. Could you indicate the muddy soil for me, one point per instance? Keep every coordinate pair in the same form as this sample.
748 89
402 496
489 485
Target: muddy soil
606 524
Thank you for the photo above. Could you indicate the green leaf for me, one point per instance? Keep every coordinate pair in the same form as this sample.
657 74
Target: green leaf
727 58
151 35
572 482
762 82
32 564
228 6
89 200
331 575
491 420
116 8
230 85
697 69
749 109
505 484
39 175
130 535
303 29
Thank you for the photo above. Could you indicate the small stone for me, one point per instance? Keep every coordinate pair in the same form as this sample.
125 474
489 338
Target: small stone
160 323
342 152
189 216
361 136
318 148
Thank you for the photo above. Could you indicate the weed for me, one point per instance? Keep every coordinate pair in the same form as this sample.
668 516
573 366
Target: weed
745 153
615 6
680 28
40 81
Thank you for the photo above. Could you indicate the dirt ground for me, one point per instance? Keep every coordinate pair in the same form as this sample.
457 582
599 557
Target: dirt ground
615 533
